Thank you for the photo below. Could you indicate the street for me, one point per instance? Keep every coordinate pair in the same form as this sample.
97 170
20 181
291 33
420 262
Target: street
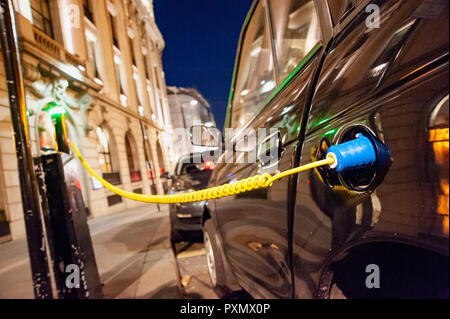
134 258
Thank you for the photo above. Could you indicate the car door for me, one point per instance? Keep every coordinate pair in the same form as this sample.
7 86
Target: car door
388 83
279 56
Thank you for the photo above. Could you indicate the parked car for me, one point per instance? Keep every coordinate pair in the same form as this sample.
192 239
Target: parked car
322 72
191 173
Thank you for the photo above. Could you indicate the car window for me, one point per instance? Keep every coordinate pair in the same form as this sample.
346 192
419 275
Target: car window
193 163
296 32
189 168
255 77
181 165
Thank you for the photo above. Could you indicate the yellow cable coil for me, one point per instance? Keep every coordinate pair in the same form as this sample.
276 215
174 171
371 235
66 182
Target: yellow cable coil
240 186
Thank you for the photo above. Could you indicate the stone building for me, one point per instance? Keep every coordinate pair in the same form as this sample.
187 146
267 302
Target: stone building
187 108
98 62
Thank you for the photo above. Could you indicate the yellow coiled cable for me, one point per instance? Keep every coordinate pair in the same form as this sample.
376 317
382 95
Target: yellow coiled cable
240 186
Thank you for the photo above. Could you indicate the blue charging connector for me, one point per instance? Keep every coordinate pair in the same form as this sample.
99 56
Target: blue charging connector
352 154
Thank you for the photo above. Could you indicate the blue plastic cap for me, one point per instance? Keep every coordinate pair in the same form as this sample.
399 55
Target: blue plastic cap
355 153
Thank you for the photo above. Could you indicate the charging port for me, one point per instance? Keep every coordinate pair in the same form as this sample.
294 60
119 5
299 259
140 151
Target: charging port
375 158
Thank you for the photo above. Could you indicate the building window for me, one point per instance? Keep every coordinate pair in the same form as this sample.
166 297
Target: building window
87 8
133 54
142 29
104 151
147 74
139 94
114 200
119 80
133 163
92 59
105 157
4 225
122 96
156 77
115 38
41 16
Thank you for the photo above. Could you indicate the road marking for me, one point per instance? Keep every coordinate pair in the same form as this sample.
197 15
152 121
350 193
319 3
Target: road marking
12 266
187 254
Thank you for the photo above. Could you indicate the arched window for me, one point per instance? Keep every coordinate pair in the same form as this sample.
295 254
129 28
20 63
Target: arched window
107 155
104 151
133 162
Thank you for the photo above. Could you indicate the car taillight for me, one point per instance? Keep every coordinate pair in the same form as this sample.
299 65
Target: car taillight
208 165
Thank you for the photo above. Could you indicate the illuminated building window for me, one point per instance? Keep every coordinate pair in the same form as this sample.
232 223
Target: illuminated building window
118 78
104 151
156 77
92 58
41 16
139 91
123 97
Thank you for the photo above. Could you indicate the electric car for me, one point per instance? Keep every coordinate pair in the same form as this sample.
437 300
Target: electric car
192 173
323 73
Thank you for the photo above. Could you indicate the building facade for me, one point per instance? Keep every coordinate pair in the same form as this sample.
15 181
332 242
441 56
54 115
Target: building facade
187 107
99 63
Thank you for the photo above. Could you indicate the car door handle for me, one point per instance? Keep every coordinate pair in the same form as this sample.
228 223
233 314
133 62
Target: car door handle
270 149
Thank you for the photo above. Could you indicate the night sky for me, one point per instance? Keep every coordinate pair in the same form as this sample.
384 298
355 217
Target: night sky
201 39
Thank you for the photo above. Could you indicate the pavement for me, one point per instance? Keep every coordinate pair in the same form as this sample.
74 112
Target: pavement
133 253
134 256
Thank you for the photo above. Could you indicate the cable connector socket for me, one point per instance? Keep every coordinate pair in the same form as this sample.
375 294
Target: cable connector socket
352 154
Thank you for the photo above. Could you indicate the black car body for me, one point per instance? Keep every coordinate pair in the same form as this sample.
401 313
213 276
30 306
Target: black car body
319 234
191 173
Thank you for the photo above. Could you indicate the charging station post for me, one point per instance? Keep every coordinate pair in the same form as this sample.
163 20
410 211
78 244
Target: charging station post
28 182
